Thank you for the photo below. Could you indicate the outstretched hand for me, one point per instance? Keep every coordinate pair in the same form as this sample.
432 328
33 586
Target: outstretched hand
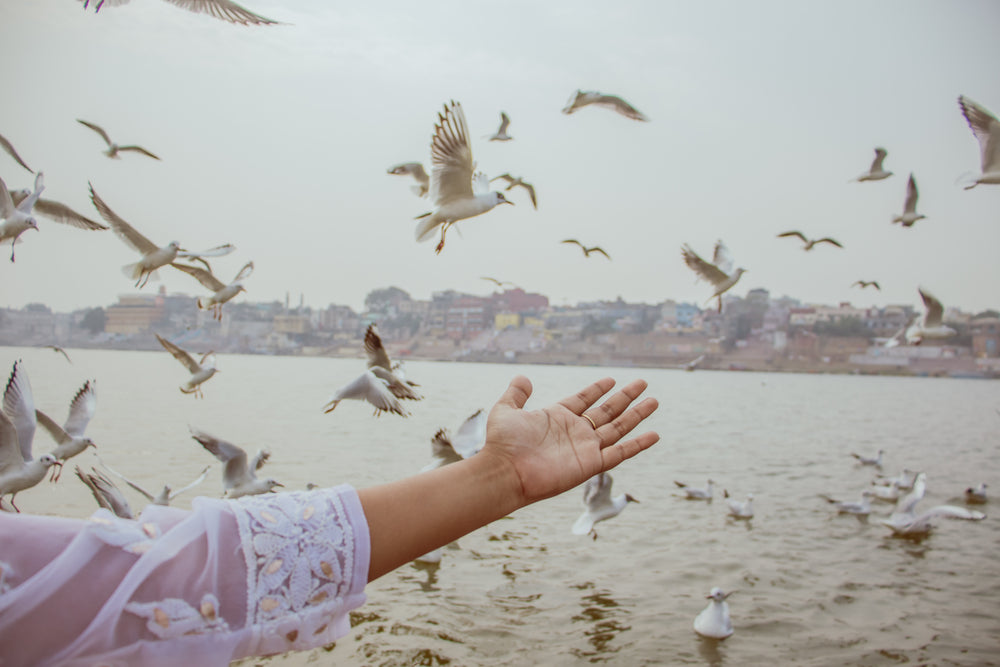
554 449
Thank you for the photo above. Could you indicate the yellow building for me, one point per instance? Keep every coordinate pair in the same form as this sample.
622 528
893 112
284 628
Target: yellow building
503 320
134 313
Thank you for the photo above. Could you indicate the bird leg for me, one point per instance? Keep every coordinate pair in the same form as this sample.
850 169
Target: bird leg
16 508
444 230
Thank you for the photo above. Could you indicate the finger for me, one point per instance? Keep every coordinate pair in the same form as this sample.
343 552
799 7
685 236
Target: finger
623 451
586 397
621 426
614 406
517 394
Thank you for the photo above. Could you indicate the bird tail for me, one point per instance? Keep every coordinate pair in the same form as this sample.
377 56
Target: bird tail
133 271
583 525
426 226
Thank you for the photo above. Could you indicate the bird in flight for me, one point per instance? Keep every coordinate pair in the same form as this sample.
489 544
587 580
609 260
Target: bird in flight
501 134
809 243
867 283
56 211
876 172
419 174
226 10
909 215
719 272
15 219
113 148
200 371
986 128
221 293
585 249
383 368
581 99
513 182
500 283
239 476
9 148
931 325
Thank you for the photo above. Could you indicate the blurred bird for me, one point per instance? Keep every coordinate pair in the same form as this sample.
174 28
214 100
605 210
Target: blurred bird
599 504
809 243
868 460
861 508
976 495
866 283
471 434
986 129
56 211
239 478
106 493
416 170
226 10
875 172
18 470
501 134
502 284
367 387
201 371
910 214
60 350
713 621
719 272
887 494
693 364
581 99
380 364
17 219
451 178
905 522
904 480
694 493
165 496
9 148
737 509
442 451
221 293
515 182
585 249
930 325
113 148
69 437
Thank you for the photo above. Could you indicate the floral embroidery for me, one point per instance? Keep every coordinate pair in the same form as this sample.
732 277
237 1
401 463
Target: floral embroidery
171 618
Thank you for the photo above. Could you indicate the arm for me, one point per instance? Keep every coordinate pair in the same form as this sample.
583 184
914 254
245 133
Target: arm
528 456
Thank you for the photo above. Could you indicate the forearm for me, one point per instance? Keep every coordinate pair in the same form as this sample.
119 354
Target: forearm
413 516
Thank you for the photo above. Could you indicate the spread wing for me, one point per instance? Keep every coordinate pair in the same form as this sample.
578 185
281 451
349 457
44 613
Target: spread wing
934 309
106 493
531 192
19 405
59 212
98 129
504 122
377 356
244 273
225 10
196 482
137 149
910 205
125 479
597 490
705 270
54 429
7 207
82 409
880 154
10 453
451 157
722 258
125 231
179 354
235 471
796 234
471 435
827 239
986 129
621 106
9 148
206 278
442 448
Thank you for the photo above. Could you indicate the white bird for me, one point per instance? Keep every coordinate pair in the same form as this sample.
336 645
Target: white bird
471 434
56 211
694 493
383 368
165 496
9 149
17 219
809 243
451 178
106 493
18 470
419 174
876 172
986 129
719 272
442 451
371 388
238 476
501 134
737 509
905 522
113 148
976 495
888 494
599 504
713 621
931 324
899 338
517 181
226 10
870 460
861 508
200 371
69 437
904 480
581 99
221 292
693 364
909 215
153 256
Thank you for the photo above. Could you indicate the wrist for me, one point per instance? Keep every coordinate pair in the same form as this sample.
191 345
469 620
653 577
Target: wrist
497 478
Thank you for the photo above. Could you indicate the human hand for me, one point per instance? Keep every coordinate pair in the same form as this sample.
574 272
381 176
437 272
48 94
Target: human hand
552 450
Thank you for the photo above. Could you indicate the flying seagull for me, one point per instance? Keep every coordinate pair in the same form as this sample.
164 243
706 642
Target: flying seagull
809 243
866 283
909 215
238 476
9 148
719 272
514 182
905 522
442 451
226 10
451 178
875 172
931 324
113 148
106 493
367 387
419 174
384 369
585 249
69 437
599 504
986 129
200 371
17 219
501 134
18 470
56 211
581 99
221 293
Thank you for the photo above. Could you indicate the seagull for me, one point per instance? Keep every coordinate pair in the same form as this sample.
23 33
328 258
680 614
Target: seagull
599 503
501 134
899 338
694 493
9 148
471 434
451 178
383 368
200 371
986 129
227 10
930 326
442 451
17 219
719 272
586 250
69 437
113 148
500 283
238 477
875 172
371 388
867 283
513 182
739 510
910 214
18 470
905 522
581 99
903 480
165 496
153 256
221 293
713 621
106 493
861 508
868 460
56 211
419 174
56 348
976 495
888 494
809 243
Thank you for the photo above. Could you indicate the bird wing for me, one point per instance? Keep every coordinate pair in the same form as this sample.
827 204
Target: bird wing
722 258
597 490
910 205
934 309
621 106
573 241
98 129
880 154
106 493
707 271
206 278
258 461
492 280
950 512
125 231
471 435
504 123
827 239
907 503
796 234
368 387
7 206
574 103
179 354
82 409
531 192
55 430
451 157
986 129
137 149
599 249
7 146
125 479
442 448
506 177
196 482
225 10
59 212
10 453
235 471
377 356
19 404
217 251
244 273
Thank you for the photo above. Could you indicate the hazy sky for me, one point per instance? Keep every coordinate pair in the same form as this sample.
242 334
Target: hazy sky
277 139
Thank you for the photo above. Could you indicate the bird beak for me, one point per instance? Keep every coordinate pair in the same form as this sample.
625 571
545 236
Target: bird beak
630 499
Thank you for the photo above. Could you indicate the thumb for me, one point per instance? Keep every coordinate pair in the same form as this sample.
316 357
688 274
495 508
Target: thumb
517 393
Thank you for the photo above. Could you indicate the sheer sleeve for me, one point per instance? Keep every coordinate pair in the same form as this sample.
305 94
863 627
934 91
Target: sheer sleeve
229 579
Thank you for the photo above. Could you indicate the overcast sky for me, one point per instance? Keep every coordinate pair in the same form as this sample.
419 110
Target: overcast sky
277 139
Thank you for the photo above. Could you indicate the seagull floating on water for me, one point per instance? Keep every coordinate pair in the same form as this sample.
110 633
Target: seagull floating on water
905 522
9 149
501 134
599 504
809 243
713 621
69 437
221 292
976 495
585 249
909 215
419 174
861 508
226 10
719 272
694 493
114 149
201 371
238 477
904 480
581 99
452 176
876 172
513 182
931 324
737 509
17 219
986 129
888 493
18 470
869 460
